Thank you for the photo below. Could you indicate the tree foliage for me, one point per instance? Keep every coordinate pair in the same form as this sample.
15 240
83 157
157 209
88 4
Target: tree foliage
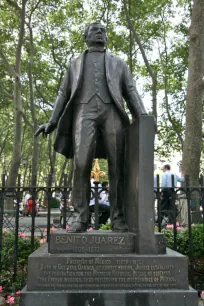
54 35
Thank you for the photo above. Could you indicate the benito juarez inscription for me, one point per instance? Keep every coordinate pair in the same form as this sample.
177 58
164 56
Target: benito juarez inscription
91 242
90 119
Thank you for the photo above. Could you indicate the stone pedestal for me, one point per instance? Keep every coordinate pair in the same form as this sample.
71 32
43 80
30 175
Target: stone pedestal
98 268
114 269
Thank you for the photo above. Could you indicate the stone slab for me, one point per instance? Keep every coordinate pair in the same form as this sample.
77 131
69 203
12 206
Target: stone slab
139 183
47 272
106 242
110 298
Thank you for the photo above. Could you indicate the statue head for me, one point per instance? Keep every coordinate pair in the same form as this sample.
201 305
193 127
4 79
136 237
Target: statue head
95 35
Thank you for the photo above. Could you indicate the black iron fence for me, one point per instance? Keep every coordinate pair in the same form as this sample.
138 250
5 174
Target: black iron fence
15 218
184 211
180 210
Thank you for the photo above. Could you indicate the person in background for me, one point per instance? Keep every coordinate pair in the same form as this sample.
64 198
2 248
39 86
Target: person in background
104 195
27 196
25 204
57 194
30 206
155 182
103 203
155 196
167 202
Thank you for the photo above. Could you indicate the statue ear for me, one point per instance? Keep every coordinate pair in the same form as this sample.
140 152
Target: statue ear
106 36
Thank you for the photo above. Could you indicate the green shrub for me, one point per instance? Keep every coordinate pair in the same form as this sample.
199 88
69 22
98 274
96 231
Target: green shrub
197 241
183 240
183 244
7 261
106 227
169 237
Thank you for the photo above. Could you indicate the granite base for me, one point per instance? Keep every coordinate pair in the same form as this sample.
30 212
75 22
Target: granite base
110 298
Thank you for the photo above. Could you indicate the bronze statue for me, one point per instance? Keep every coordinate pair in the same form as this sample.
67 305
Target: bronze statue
90 118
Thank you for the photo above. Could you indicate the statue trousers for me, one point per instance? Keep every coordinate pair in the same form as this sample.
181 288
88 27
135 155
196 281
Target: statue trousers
89 120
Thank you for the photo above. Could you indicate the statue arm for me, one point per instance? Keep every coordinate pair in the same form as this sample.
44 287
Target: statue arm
131 95
61 102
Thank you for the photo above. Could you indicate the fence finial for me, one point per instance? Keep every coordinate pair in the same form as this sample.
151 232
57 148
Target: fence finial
96 173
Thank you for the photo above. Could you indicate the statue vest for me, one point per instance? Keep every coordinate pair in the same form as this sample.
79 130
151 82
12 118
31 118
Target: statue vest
94 79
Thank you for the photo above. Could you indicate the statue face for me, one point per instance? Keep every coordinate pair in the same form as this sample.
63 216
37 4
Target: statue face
96 35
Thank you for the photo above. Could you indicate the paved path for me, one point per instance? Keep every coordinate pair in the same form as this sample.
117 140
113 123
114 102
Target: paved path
25 223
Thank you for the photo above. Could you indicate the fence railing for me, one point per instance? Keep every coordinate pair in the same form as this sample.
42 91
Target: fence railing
181 213
12 219
178 209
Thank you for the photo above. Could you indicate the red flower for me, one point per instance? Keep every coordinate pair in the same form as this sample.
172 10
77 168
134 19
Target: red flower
22 235
171 226
10 300
43 240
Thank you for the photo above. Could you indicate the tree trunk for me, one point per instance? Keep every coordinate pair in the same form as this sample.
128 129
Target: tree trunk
193 131
130 40
52 156
16 156
35 151
147 64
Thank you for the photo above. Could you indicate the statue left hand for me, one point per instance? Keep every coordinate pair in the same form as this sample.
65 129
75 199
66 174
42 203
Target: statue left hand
40 130
45 129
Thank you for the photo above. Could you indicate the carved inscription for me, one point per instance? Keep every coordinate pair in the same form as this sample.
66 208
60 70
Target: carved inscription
88 244
108 273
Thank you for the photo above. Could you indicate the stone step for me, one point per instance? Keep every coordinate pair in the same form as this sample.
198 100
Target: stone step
110 298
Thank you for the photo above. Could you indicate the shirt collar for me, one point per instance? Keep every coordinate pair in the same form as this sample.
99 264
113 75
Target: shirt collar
96 49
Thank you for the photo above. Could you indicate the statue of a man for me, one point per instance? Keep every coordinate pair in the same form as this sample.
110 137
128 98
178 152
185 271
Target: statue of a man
90 118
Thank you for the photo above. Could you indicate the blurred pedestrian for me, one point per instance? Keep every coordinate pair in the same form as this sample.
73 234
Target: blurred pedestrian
31 202
168 200
103 202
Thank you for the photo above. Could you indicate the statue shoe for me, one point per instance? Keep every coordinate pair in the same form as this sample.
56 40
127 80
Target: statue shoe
119 226
77 227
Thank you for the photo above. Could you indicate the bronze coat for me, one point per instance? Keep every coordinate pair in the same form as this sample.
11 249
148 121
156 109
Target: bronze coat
120 84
